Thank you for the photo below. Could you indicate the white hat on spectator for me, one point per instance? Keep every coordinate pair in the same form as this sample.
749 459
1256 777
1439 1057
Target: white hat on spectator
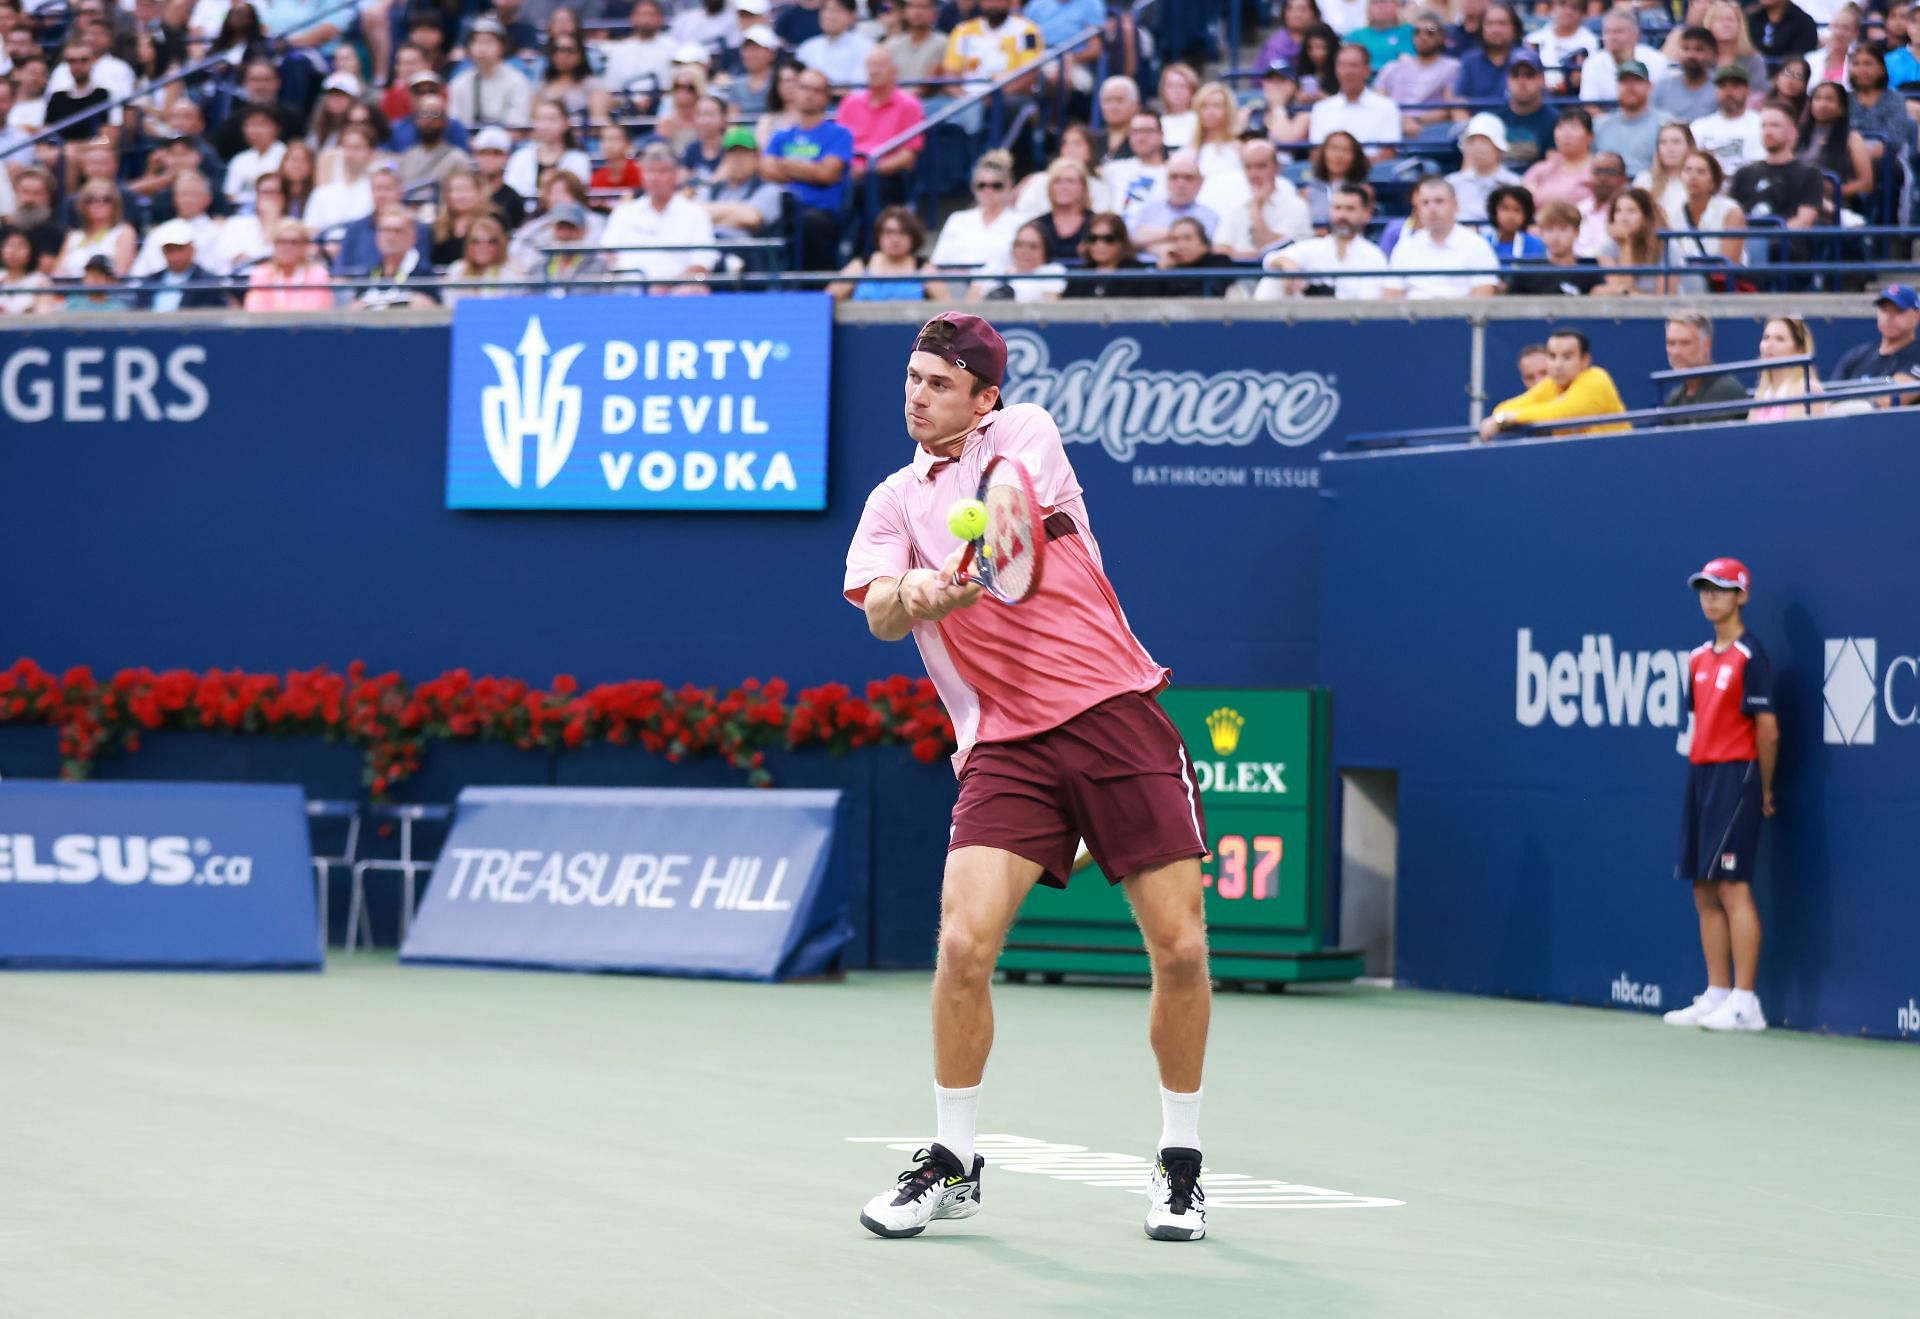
174 233
425 78
494 138
342 82
753 6
762 35
1488 126
489 25
692 52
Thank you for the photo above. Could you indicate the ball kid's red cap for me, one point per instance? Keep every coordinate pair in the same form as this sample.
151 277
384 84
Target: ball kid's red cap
966 342
1727 574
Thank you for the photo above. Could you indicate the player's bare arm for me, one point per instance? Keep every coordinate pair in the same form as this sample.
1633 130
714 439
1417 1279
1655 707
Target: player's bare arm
894 605
1766 741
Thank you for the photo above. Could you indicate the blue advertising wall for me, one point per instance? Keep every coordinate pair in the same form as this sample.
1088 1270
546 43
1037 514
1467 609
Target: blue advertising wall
237 495
1539 814
270 499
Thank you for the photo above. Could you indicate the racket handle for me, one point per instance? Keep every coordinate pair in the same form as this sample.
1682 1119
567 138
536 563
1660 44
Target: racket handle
966 561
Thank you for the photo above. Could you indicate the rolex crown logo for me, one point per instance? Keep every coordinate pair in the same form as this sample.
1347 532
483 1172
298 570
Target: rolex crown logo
1224 726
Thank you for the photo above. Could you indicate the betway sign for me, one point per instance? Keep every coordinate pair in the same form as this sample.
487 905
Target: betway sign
1599 685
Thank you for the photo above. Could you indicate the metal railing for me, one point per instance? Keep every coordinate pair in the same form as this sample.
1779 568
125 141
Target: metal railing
1806 365
1208 281
991 97
1724 410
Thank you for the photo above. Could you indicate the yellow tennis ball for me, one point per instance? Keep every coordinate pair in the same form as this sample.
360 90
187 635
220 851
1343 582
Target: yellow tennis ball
967 519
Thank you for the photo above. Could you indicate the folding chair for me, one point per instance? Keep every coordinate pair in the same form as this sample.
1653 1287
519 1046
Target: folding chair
332 812
405 865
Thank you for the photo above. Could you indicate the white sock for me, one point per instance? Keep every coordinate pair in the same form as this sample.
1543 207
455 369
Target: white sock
1714 994
1179 1120
956 1115
1744 1000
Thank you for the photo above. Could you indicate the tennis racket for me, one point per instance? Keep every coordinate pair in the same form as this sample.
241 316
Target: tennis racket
1006 558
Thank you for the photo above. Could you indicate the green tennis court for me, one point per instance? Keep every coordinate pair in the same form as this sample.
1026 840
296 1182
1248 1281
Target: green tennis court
381 1140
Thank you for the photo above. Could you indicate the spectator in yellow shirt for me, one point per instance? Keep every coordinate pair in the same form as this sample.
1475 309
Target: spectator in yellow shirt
991 45
1573 387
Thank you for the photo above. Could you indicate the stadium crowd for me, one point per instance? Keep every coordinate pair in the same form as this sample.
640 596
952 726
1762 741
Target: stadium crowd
304 154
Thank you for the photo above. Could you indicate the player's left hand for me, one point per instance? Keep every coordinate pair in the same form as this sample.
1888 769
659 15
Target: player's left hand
1766 804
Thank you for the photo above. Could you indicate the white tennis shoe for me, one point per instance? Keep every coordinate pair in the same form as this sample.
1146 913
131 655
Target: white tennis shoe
1730 1016
1694 1013
936 1187
1176 1206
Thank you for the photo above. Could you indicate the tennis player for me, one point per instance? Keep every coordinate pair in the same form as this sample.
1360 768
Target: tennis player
1736 743
1060 739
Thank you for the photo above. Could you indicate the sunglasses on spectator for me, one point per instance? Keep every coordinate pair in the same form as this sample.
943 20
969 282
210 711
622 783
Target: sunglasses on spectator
289 241
99 201
989 185
432 114
1101 236
1428 29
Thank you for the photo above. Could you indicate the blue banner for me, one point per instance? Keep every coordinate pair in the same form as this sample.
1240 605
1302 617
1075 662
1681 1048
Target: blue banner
155 875
640 403
203 437
1507 627
739 883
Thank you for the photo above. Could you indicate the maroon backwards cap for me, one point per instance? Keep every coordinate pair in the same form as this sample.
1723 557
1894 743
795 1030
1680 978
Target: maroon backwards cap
967 342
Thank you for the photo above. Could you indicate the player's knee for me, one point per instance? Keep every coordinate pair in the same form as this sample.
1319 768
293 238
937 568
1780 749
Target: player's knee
965 952
1181 956
1706 895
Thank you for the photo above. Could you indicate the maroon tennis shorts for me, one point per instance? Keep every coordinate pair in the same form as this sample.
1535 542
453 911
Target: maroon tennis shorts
1117 775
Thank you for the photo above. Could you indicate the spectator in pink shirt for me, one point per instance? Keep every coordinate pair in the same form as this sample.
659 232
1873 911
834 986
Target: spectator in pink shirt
876 114
290 280
1565 174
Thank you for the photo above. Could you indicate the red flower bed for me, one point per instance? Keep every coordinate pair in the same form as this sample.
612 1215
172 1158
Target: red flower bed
394 722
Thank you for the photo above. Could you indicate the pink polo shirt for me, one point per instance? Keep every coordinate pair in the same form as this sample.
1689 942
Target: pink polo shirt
872 125
1006 672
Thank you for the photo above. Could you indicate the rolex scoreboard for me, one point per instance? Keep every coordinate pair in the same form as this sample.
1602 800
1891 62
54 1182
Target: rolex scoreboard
1260 761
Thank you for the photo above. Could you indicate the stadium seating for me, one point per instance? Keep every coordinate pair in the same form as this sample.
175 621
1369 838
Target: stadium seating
133 108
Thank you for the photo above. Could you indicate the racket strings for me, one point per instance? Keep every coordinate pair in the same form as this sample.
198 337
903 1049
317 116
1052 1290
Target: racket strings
1010 541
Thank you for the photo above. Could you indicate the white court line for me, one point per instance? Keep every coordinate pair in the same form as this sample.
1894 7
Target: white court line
1128 1172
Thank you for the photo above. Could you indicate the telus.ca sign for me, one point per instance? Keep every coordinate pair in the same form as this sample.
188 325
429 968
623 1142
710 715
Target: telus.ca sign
94 383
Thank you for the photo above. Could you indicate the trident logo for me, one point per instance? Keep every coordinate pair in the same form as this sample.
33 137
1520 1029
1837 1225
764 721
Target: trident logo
534 402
